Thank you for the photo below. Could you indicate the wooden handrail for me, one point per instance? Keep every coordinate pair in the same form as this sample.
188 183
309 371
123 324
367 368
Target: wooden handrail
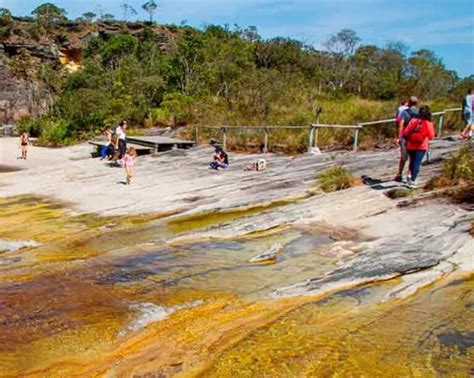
314 128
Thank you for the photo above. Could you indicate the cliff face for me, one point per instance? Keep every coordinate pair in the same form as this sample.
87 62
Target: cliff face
24 49
20 98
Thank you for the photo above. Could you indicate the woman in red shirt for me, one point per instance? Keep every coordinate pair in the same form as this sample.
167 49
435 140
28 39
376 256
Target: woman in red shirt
418 133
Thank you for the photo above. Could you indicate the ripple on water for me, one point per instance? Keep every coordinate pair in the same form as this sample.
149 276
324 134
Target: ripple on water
152 313
15 245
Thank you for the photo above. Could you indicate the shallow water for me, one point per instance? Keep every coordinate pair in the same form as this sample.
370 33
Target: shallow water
108 296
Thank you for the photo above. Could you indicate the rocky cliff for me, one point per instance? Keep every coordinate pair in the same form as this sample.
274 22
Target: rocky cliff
25 49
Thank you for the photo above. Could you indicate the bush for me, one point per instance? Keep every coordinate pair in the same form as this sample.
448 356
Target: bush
179 106
54 132
30 125
457 170
336 178
457 176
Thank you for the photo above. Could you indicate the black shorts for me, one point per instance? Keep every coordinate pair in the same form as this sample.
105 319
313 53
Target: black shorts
24 144
122 146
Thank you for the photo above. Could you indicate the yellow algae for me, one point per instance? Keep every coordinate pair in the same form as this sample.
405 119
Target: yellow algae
403 338
66 306
210 218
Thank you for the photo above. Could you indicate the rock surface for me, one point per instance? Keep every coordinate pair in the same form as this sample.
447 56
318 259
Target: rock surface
374 238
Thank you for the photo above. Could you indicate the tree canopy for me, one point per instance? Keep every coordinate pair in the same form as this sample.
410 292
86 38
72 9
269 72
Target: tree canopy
49 13
154 74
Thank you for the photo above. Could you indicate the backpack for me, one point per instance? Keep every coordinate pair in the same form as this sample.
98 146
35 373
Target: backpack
418 133
411 114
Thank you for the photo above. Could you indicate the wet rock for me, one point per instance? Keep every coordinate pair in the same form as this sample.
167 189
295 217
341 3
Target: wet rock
339 249
387 258
15 245
269 255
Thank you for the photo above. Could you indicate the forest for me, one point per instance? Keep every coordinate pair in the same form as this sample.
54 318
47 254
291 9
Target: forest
178 75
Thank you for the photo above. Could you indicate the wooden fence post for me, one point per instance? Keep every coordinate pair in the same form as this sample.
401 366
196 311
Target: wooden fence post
265 143
196 134
356 139
224 137
440 125
311 138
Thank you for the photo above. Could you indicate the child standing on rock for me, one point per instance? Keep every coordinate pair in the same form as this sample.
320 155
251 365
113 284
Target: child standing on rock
128 161
24 143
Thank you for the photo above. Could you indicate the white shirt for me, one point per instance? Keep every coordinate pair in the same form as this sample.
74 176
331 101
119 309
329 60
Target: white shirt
120 133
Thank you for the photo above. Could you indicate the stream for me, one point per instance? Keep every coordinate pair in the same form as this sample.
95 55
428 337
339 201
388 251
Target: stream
85 295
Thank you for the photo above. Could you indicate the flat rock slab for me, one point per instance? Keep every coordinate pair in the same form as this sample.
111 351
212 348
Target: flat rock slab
167 181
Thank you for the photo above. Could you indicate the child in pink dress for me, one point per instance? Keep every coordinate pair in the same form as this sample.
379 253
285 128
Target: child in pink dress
128 161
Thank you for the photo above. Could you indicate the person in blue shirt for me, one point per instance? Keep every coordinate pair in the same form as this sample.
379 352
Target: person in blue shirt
467 111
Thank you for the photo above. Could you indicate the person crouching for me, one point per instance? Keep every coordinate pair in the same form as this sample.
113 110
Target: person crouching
221 159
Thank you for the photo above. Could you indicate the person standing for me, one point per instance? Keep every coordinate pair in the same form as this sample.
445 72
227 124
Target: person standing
128 161
121 139
417 134
24 143
403 106
405 117
467 111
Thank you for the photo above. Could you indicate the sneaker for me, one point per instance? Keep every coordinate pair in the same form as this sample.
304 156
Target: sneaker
412 184
398 178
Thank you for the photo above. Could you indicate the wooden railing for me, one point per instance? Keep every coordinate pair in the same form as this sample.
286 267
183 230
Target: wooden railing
313 130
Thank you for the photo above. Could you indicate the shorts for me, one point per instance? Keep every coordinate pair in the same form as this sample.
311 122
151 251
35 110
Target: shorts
122 146
468 118
24 144
403 149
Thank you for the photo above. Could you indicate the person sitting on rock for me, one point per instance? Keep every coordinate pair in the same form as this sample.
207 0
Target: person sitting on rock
221 159
108 150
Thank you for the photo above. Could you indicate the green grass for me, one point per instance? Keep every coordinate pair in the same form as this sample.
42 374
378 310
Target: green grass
457 176
298 110
336 178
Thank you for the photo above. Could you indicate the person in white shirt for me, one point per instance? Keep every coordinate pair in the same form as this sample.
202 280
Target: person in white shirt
121 139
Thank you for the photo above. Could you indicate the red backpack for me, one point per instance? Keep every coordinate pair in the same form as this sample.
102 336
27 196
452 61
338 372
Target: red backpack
419 133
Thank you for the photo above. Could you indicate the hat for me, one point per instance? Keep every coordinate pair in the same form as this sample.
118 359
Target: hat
414 99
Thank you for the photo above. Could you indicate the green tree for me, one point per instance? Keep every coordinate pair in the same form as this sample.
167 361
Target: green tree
150 8
341 46
49 14
89 16
5 17
427 76
6 21
117 48
107 17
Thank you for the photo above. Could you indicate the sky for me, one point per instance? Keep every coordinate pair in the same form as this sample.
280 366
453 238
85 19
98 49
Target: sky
443 26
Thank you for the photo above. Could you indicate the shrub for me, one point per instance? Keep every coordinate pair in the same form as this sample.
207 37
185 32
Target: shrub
457 170
336 178
31 125
458 176
54 132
